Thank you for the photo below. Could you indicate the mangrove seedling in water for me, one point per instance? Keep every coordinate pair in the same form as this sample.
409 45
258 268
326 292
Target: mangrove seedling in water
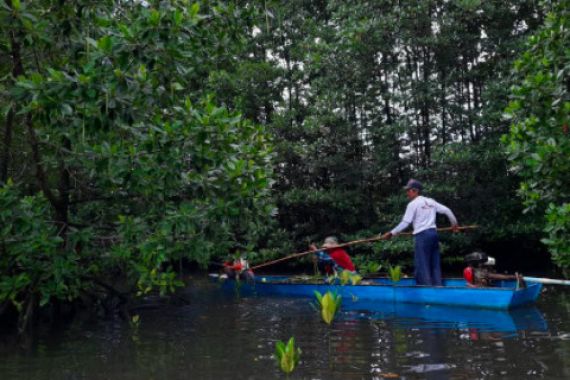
395 273
135 321
346 277
329 305
287 355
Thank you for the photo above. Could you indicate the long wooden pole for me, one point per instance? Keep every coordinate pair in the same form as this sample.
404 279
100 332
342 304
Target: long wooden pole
354 242
550 281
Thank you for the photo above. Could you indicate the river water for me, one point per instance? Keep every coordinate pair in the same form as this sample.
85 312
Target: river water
222 335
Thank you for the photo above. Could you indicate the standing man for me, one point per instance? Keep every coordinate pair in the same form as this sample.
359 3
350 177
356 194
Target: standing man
421 212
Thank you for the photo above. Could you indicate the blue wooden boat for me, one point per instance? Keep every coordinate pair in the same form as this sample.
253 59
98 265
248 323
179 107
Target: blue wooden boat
504 295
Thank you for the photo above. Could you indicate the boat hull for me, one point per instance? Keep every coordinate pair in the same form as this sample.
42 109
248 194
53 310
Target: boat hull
453 292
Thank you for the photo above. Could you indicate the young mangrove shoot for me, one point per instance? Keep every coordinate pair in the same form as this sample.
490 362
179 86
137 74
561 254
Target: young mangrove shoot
287 355
329 305
347 276
395 273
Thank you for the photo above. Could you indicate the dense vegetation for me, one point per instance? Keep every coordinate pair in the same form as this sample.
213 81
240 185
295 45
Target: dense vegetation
138 135
539 141
376 92
117 164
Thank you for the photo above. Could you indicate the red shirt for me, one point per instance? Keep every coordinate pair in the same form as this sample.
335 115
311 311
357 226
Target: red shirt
341 258
468 275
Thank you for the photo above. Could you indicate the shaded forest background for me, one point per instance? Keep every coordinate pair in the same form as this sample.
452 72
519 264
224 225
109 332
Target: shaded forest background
141 135
360 97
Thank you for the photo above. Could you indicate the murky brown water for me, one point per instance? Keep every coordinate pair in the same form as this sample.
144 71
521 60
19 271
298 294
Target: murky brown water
221 336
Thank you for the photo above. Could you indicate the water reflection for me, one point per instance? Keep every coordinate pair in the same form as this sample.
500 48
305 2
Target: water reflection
420 336
432 359
446 317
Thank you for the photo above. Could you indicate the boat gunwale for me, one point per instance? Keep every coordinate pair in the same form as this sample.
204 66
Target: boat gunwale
402 286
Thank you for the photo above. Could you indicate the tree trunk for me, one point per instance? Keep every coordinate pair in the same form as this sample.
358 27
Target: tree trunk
17 70
61 203
426 133
62 209
443 111
27 318
469 109
6 145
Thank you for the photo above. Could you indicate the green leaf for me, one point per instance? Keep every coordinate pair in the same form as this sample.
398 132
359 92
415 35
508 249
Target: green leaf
176 86
91 42
105 44
177 17
66 109
280 349
319 297
154 17
194 10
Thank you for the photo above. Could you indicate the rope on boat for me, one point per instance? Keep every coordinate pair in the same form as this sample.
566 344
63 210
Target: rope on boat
354 242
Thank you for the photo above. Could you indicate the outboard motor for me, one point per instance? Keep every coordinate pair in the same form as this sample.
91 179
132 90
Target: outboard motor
475 258
479 258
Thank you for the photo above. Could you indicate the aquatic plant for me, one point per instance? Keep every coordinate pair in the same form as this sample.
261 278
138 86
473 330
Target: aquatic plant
329 305
135 321
395 273
355 278
346 277
287 355
368 267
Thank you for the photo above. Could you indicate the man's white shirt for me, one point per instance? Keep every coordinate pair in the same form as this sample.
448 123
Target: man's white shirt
421 212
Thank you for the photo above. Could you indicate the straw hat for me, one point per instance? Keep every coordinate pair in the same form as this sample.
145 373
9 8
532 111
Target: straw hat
330 242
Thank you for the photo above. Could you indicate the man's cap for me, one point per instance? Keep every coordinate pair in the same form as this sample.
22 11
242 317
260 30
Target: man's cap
413 184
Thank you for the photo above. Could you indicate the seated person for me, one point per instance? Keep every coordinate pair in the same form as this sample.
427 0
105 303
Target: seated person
479 272
332 258
238 269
